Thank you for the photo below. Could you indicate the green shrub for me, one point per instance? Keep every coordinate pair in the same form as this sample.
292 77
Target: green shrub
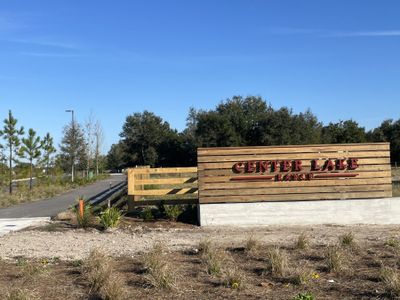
304 296
110 217
147 214
173 211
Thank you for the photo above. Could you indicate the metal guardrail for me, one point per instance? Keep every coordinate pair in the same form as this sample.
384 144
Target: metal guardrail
109 197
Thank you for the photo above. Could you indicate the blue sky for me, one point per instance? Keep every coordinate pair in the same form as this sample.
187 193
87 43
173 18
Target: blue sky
341 59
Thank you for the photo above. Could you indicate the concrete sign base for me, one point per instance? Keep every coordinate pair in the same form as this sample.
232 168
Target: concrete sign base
344 212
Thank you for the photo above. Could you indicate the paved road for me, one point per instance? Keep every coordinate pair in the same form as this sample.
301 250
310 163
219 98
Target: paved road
52 206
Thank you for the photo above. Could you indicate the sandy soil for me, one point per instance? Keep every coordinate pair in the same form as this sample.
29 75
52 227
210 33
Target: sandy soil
57 241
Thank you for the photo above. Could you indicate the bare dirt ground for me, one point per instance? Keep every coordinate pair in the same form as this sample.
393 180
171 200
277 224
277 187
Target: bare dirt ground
59 249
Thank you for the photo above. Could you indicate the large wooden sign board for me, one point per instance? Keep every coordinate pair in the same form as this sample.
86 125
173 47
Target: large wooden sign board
285 173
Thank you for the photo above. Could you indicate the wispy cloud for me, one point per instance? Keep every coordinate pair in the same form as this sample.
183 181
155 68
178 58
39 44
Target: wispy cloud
378 33
50 54
46 42
333 33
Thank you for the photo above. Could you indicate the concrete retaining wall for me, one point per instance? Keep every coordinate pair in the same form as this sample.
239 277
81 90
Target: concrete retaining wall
360 211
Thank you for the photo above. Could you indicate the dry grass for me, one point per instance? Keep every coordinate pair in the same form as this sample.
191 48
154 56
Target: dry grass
252 246
30 270
19 294
234 278
391 280
97 270
113 289
300 275
302 242
277 261
335 259
160 273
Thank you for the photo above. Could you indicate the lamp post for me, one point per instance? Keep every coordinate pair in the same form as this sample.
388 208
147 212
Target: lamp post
73 145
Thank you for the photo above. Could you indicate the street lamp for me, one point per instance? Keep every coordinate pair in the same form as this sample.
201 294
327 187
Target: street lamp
73 145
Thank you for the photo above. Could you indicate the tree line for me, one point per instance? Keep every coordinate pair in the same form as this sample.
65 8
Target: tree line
146 139
79 148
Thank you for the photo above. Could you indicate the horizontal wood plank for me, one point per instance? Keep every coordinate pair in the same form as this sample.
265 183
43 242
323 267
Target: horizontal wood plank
296 190
296 197
229 165
293 156
178 180
322 182
165 170
294 149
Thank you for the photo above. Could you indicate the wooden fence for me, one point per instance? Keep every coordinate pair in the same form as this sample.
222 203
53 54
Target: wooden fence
312 172
170 185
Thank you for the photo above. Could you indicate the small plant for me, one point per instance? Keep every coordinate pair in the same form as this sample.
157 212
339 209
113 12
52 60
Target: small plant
277 261
301 275
30 270
77 263
234 278
393 242
97 269
160 273
302 242
173 211
205 246
84 220
214 261
335 259
347 240
391 280
252 246
147 214
110 217
304 296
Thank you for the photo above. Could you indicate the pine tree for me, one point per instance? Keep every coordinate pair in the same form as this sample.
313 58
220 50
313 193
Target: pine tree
48 150
11 135
30 150
73 148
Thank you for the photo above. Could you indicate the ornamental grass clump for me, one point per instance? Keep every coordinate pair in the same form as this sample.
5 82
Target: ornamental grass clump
335 259
347 240
97 270
391 280
160 273
252 246
277 261
234 278
110 217
302 242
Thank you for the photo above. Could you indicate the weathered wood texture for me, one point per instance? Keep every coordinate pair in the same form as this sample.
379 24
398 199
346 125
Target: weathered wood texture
162 182
371 179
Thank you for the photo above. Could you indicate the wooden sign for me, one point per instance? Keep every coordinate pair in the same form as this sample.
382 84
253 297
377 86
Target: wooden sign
284 173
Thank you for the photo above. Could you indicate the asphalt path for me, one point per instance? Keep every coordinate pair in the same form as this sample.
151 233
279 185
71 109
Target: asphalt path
52 206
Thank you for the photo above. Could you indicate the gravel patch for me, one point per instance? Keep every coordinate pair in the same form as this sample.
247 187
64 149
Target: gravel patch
77 243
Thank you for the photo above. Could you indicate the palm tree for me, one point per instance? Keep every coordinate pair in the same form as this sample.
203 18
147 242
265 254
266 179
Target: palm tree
30 149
